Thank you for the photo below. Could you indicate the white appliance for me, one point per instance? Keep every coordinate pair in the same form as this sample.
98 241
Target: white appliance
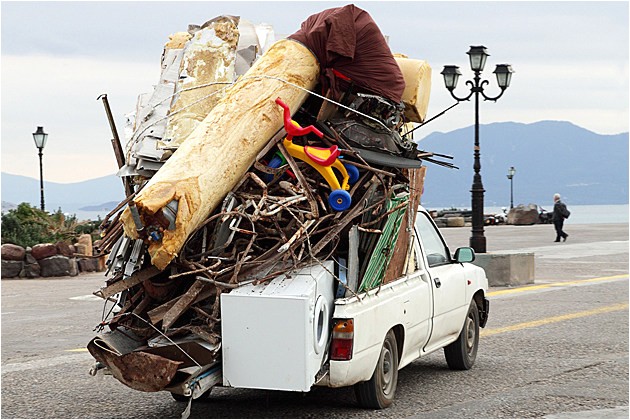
275 335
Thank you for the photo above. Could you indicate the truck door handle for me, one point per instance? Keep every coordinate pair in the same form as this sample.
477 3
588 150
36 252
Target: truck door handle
437 282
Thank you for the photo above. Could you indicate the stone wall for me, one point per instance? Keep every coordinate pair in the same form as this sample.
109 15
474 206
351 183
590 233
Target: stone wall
50 260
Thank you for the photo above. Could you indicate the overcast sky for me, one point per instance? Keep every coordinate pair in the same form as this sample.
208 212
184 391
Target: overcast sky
571 62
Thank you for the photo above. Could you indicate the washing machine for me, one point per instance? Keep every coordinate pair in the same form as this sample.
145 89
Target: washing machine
275 335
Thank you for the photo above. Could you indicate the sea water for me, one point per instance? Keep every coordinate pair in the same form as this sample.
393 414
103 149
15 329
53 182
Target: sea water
613 213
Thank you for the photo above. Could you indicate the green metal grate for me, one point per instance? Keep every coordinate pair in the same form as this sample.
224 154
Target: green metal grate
384 248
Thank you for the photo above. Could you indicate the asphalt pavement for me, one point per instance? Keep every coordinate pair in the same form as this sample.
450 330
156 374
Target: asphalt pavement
555 349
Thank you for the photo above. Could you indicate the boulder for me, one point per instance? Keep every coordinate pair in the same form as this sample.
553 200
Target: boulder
29 259
455 221
523 215
64 249
11 252
11 269
31 271
58 266
86 239
101 261
41 251
80 249
88 264
440 222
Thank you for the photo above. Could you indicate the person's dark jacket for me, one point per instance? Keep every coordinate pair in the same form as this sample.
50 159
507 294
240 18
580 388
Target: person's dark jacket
560 211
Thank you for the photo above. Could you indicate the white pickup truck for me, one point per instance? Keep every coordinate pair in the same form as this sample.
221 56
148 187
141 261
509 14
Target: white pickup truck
292 333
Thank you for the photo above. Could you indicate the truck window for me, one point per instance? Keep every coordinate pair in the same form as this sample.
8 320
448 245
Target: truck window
436 250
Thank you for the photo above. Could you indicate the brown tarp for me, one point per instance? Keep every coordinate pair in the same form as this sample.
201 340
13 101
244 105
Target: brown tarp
348 40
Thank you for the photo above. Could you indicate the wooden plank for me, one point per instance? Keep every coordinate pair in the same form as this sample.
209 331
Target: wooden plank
401 249
157 314
182 305
354 265
136 278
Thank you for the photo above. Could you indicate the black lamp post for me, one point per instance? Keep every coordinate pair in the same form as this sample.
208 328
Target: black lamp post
510 176
477 55
40 141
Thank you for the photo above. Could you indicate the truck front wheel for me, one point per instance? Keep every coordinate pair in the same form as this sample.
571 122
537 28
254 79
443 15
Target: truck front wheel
379 391
461 354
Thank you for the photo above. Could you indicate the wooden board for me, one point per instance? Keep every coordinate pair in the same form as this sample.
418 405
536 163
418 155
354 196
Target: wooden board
396 266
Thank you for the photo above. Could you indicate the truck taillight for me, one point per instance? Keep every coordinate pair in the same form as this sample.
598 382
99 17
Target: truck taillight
342 340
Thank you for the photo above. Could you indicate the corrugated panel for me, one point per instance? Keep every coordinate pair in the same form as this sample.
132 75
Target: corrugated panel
385 245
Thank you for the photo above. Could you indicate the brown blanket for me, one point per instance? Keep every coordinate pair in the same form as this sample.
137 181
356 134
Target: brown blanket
348 40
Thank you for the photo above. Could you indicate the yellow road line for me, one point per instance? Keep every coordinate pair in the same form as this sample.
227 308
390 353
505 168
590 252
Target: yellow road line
557 284
553 319
530 324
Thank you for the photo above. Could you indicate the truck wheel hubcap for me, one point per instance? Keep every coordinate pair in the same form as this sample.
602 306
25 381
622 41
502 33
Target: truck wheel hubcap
470 333
386 366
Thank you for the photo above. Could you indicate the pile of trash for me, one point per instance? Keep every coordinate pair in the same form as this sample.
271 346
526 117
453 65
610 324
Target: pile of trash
343 187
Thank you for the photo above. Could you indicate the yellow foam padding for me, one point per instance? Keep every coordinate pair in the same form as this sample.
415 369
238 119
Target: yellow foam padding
222 148
417 74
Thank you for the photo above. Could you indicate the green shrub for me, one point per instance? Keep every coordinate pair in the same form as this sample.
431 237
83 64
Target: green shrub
28 226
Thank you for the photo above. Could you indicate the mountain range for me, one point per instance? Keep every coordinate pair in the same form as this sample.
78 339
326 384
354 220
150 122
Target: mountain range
99 192
549 157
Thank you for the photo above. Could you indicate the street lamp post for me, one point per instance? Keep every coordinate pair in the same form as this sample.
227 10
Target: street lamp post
40 142
477 55
510 176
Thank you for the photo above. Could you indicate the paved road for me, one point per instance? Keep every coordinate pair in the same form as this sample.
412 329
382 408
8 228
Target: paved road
556 349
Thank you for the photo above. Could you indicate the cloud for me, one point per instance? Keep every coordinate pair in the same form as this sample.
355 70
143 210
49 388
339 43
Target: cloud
59 93
571 60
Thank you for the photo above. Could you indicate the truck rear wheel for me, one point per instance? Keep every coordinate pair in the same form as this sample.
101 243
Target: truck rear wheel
461 354
379 391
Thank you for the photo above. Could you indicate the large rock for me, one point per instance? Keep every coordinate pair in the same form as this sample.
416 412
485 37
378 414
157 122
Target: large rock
11 269
88 264
41 251
457 221
13 252
58 266
64 249
80 249
29 259
102 260
31 271
86 240
523 215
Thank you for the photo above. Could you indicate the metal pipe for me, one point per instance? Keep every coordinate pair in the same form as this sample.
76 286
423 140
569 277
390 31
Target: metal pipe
41 176
118 151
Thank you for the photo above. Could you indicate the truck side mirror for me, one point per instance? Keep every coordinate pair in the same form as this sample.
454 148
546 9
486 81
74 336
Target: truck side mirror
464 254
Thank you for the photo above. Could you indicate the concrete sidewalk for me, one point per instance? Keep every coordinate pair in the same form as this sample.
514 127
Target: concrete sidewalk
593 250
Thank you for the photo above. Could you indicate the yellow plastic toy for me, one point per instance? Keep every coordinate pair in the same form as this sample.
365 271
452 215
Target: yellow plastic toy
322 159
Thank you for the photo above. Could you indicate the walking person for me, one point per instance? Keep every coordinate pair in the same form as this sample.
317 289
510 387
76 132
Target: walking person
560 212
